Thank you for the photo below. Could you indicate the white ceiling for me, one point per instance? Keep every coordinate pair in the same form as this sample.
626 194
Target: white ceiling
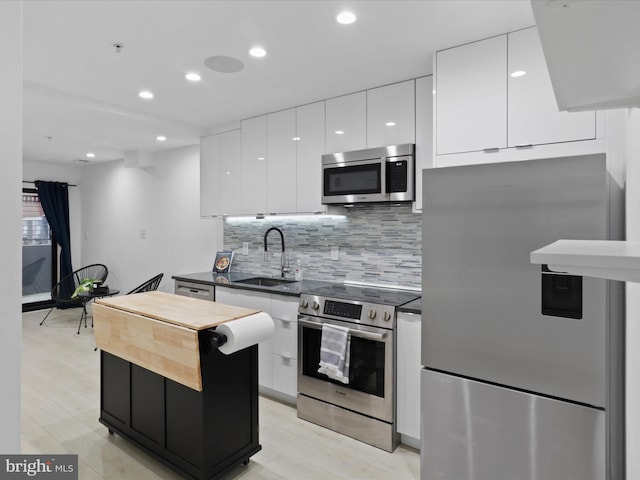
84 95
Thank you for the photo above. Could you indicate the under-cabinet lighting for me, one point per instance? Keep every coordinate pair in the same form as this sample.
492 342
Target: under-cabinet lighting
518 73
308 218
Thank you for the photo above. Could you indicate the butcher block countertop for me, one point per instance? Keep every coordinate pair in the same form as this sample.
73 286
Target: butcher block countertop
159 331
193 313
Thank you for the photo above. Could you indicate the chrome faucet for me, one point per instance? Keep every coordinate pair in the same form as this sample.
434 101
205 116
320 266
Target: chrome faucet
283 269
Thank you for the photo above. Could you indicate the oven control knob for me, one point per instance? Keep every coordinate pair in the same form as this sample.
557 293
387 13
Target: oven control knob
304 303
315 305
386 317
372 314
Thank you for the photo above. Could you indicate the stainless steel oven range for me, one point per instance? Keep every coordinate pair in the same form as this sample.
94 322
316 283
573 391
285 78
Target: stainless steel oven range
365 407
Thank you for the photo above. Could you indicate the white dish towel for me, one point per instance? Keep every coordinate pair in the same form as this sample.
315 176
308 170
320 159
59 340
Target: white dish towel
334 352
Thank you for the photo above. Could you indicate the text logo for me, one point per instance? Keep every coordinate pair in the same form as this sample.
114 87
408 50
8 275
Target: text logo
51 467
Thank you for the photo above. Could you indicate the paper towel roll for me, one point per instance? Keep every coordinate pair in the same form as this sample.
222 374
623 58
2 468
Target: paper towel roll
245 331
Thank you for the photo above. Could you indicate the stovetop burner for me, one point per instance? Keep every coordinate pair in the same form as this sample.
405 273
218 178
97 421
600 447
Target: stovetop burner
358 293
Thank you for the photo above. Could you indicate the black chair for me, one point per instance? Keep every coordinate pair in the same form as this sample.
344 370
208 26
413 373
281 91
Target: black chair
148 286
63 291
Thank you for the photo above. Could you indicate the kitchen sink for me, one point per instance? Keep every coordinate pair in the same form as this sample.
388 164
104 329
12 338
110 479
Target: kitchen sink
265 281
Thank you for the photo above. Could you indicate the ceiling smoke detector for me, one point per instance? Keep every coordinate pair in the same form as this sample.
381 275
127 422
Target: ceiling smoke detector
118 46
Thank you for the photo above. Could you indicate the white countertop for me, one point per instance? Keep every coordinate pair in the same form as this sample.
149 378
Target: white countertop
614 260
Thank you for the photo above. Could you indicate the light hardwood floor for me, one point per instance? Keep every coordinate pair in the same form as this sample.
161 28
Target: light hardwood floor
60 409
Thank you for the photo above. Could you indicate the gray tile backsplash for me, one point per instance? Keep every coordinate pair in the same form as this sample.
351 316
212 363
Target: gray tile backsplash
378 244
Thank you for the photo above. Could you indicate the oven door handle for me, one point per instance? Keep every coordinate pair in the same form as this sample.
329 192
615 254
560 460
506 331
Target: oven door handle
379 337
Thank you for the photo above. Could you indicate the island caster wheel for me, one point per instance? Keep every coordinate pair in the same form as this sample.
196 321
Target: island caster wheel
245 463
111 432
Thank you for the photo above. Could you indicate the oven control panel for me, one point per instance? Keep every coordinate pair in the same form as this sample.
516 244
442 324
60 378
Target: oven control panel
344 310
359 312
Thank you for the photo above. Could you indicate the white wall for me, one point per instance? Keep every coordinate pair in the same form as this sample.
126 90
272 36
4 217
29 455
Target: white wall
10 219
32 171
164 201
633 297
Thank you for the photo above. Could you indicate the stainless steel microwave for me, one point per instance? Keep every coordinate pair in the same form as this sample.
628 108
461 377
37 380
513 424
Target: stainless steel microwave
375 175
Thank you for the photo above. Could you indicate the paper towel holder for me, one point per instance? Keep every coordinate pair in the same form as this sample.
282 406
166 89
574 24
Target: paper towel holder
218 339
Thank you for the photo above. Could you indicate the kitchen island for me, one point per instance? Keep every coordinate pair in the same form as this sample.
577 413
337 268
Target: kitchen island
167 388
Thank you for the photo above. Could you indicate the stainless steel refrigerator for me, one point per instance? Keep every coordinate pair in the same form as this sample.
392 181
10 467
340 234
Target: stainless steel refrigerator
522 367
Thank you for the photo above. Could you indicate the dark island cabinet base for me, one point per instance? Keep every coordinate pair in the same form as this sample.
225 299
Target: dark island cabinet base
203 434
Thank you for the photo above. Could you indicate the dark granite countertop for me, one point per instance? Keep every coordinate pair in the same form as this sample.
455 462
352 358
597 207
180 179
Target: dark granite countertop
412 307
231 280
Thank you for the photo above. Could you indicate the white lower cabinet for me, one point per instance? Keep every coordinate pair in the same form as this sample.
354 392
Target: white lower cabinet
408 375
277 357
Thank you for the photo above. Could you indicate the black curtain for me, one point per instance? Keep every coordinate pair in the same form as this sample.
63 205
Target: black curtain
54 198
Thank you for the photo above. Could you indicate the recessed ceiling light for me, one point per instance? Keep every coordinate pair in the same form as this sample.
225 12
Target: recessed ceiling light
146 94
346 18
90 155
161 138
295 139
339 132
258 52
390 124
518 73
193 77
260 158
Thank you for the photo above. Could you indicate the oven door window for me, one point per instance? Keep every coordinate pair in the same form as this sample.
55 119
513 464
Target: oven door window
353 180
366 368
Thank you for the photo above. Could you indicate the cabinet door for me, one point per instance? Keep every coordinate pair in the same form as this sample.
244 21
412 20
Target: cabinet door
254 165
424 132
471 97
229 183
281 162
533 115
310 130
261 301
346 123
209 175
229 296
391 115
409 367
285 374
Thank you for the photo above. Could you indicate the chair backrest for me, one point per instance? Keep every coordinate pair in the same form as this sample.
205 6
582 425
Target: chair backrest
148 286
62 291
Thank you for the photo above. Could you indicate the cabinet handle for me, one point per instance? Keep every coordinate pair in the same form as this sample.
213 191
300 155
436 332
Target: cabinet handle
491 150
286 356
525 145
286 321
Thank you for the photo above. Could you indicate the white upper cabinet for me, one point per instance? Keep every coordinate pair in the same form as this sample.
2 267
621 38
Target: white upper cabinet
209 175
254 165
310 131
230 180
494 103
533 113
391 115
281 162
471 100
346 123
220 173
424 132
